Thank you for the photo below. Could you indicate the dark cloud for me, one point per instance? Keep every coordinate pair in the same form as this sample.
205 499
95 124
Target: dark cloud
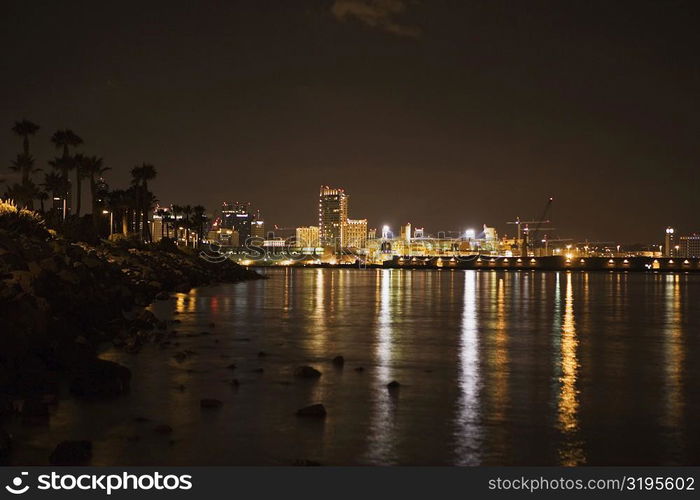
379 14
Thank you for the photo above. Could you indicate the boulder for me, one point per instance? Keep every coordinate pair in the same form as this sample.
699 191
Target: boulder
98 378
314 411
307 372
338 361
72 453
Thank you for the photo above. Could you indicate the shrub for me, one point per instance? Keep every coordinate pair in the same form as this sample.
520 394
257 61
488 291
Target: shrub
21 221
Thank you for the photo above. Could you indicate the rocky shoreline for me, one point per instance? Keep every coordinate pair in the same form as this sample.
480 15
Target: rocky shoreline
60 300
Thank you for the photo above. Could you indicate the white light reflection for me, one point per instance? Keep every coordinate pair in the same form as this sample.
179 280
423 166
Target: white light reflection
468 430
381 440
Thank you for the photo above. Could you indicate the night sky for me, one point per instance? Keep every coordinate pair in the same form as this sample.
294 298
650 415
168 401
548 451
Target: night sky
445 114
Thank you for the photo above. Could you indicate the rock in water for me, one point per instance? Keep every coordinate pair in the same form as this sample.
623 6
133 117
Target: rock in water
307 372
210 403
393 385
315 411
98 378
72 453
339 361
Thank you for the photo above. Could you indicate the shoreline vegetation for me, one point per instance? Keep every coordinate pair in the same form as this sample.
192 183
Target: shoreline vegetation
72 281
61 299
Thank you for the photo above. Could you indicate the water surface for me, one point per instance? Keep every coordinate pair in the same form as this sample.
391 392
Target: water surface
495 367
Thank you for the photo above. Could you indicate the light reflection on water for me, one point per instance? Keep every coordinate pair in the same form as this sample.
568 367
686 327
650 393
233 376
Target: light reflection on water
495 368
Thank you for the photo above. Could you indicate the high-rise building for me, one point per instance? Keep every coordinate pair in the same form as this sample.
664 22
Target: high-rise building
355 233
238 216
257 229
669 242
689 246
307 237
406 233
332 216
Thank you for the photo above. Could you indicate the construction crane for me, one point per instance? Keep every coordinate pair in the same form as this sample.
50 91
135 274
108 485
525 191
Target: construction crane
519 223
526 234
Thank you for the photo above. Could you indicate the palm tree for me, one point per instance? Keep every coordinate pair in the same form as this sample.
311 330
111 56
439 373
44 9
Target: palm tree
177 212
140 175
24 129
167 222
80 167
186 212
199 218
24 164
43 196
55 184
93 168
23 194
119 203
64 139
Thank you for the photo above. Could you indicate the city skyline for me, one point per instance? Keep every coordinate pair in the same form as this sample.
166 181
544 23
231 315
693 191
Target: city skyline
474 114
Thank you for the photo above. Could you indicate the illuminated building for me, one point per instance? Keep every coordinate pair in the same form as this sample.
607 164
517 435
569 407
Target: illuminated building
307 237
332 216
356 233
227 237
689 246
406 233
257 229
163 222
237 216
669 242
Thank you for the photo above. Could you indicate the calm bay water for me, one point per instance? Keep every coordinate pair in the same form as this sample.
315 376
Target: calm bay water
495 368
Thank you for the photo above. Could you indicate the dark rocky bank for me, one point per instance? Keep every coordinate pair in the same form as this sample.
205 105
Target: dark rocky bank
59 300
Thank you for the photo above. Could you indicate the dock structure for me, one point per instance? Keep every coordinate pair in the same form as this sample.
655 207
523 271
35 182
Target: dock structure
549 263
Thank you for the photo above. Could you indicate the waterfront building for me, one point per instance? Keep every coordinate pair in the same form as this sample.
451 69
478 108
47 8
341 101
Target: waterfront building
356 233
689 246
257 228
405 233
307 237
332 216
238 216
669 242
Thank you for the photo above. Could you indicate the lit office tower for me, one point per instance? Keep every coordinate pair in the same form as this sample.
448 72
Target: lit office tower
307 237
689 246
355 235
406 233
669 242
257 229
332 216
237 216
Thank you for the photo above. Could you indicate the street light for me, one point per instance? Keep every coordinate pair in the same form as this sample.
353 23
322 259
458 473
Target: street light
111 220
